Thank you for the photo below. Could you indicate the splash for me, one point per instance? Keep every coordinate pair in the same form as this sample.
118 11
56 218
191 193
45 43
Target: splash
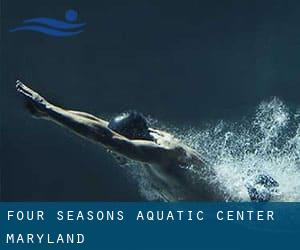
268 142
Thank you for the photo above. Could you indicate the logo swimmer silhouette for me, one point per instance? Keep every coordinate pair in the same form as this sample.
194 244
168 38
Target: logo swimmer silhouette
53 27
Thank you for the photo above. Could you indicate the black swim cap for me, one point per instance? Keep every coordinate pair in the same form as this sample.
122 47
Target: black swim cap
132 125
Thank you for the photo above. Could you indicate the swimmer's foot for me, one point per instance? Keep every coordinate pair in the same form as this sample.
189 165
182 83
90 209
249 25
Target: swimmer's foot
34 103
263 188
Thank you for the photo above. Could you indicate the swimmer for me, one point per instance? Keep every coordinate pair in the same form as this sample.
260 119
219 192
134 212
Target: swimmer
129 136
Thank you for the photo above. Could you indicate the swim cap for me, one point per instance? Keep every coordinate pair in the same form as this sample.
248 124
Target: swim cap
132 125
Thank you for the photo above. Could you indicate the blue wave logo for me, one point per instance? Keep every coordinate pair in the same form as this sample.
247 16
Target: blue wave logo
53 27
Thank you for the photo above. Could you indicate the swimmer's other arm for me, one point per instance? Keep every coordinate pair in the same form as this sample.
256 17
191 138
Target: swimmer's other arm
95 129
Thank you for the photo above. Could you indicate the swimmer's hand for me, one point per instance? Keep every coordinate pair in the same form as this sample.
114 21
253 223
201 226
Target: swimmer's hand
35 103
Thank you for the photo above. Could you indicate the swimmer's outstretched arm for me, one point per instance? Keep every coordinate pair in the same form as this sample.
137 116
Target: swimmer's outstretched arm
95 129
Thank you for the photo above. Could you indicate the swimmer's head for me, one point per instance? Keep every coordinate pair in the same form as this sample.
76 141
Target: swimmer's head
132 125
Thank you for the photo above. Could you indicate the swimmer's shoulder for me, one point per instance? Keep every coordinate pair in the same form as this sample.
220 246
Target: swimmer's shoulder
185 155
